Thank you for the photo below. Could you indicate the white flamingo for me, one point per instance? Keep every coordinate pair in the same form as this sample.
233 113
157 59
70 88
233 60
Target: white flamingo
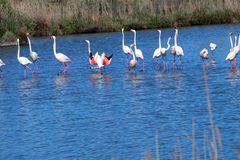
127 50
61 57
23 60
212 46
137 51
33 54
164 52
157 52
204 54
231 57
1 64
178 49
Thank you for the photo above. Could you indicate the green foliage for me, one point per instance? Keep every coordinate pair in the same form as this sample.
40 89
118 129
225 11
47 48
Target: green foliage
8 36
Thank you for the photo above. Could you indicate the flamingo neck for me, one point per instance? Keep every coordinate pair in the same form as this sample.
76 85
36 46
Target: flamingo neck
123 39
89 50
30 46
135 34
168 44
54 46
239 41
159 40
231 42
18 54
175 38
235 42
134 57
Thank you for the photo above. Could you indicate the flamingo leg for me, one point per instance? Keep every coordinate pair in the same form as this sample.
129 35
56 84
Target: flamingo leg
156 64
66 66
62 68
127 59
165 59
174 62
30 69
25 72
180 61
36 66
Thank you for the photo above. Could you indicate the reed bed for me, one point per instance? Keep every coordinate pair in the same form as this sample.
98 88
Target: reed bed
45 17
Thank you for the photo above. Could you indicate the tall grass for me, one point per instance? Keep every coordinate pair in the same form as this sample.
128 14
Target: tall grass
44 17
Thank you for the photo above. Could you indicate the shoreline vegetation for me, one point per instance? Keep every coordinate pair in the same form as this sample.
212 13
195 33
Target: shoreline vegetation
62 17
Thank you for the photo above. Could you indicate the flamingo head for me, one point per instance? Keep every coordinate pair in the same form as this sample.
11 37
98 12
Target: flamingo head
230 34
122 29
87 41
18 40
159 30
133 30
27 34
53 37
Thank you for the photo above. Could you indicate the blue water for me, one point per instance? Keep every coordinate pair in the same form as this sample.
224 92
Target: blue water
86 115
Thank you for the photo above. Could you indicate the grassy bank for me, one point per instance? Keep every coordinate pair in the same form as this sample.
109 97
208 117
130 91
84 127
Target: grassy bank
45 17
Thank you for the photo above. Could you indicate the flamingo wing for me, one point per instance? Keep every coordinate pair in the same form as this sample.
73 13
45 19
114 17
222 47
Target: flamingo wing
139 54
107 59
127 50
1 63
34 56
24 61
156 53
62 58
179 51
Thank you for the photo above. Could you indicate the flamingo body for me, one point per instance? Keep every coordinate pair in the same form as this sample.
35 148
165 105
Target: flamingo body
204 54
157 53
98 60
212 46
2 63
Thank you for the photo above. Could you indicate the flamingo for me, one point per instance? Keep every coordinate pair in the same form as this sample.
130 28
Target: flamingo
91 57
61 57
204 54
212 46
137 51
33 55
1 64
178 49
127 50
133 62
157 52
106 59
231 57
164 52
23 60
